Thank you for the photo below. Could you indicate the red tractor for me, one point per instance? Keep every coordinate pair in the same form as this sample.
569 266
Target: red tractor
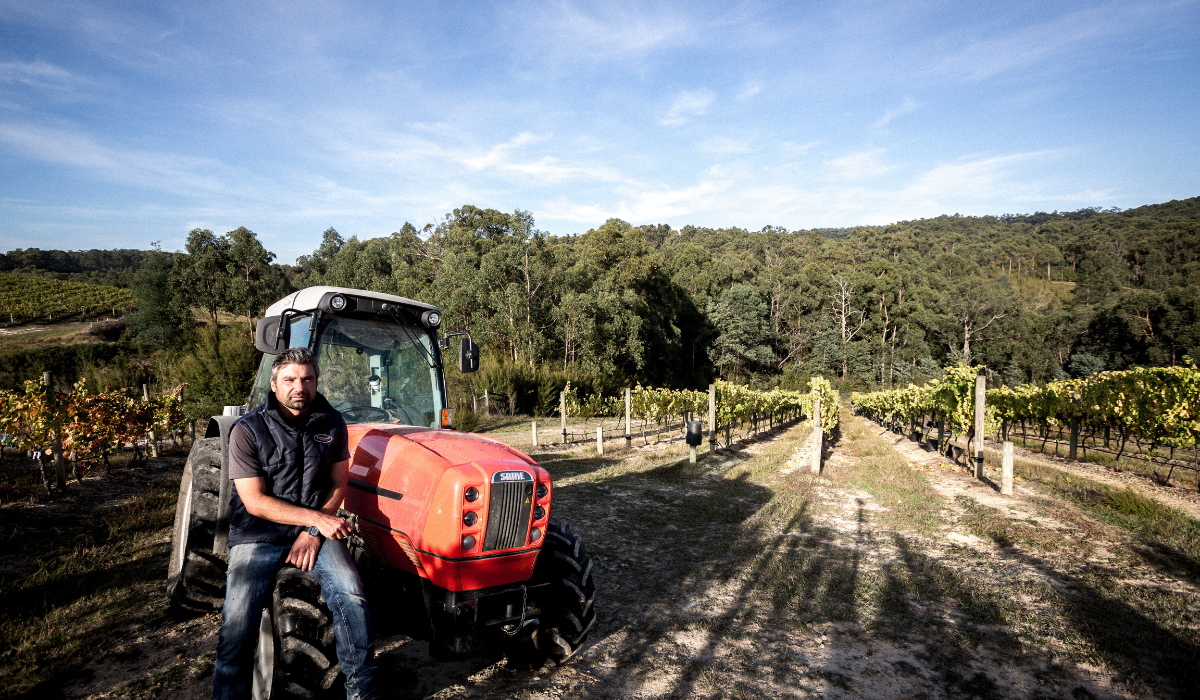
452 531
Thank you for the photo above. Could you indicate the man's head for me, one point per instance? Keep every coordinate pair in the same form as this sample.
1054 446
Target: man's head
294 379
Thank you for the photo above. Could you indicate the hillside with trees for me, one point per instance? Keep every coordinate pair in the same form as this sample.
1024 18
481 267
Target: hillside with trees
1033 297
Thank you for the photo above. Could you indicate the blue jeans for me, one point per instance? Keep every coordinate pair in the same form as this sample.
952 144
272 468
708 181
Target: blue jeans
248 584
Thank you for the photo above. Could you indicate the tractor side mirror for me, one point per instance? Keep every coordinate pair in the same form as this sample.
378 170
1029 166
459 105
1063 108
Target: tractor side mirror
268 339
468 355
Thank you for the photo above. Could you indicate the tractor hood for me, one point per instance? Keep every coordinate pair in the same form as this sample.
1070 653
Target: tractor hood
408 488
463 448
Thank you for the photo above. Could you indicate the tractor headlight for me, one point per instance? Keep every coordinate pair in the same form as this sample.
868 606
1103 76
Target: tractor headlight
337 302
542 490
539 513
470 518
471 494
535 535
468 542
431 319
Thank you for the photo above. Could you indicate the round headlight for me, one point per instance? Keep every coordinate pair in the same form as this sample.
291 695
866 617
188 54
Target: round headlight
337 302
539 513
435 318
470 519
542 490
468 542
535 535
471 494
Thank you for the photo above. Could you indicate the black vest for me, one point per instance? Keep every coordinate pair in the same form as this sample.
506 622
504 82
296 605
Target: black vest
296 458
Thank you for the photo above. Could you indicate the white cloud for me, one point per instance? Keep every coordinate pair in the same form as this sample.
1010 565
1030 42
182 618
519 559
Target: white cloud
686 105
639 206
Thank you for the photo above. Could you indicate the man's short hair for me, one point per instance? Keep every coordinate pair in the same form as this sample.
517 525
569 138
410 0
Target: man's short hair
295 356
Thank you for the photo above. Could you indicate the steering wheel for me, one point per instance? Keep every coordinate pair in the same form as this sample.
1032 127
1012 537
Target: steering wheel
366 414
393 406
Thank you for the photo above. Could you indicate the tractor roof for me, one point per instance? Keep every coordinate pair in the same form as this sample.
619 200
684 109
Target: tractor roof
307 299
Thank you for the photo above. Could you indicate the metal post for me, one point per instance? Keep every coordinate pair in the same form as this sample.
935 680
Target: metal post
60 467
562 410
1073 452
818 439
712 418
628 412
533 430
599 439
1006 470
980 399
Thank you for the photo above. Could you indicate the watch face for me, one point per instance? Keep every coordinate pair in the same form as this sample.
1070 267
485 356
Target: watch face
314 531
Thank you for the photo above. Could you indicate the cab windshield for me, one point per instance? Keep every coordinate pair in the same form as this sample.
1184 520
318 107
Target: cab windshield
379 372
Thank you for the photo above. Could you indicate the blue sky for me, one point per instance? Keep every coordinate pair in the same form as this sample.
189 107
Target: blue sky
123 123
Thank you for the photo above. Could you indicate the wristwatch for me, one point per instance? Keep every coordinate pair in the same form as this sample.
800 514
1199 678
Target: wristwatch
314 531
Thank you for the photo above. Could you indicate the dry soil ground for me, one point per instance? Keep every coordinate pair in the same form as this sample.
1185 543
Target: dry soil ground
892 574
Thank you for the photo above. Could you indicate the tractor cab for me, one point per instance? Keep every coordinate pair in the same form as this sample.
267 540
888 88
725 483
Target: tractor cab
379 355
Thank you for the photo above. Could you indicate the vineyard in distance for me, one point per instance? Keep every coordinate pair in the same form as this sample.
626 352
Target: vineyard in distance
24 299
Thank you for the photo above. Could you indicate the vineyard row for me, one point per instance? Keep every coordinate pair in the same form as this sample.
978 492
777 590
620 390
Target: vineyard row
1157 406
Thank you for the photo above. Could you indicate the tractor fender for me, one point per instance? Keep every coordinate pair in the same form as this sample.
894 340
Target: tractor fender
220 426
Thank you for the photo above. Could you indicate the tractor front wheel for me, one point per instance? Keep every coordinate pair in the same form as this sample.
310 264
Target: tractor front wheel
296 655
195 575
571 611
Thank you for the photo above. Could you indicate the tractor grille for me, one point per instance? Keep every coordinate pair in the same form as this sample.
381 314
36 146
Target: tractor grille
508 515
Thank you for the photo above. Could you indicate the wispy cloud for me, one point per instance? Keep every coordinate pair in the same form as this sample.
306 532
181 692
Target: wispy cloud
858 166
38 74
1035 44
170 172
749 90
687 105
602 31
907 106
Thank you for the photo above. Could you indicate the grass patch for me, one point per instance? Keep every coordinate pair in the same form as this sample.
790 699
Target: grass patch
877 468
88 590
990 523
1166 537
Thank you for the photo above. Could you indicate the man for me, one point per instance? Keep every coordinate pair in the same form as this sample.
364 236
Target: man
289 462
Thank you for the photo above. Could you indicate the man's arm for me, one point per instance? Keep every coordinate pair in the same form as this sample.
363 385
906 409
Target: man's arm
261 504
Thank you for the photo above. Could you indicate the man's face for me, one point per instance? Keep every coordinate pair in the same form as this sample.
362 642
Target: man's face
295 386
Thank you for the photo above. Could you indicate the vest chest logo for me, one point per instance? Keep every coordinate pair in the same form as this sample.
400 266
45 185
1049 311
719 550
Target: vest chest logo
323 438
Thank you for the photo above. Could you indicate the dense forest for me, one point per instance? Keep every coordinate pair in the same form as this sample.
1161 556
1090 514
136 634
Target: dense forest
115 268
1032 297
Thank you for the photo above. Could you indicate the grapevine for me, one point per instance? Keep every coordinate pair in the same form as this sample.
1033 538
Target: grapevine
1160 405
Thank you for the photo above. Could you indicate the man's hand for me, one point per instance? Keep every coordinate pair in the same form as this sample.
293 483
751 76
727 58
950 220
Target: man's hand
304 551
332 526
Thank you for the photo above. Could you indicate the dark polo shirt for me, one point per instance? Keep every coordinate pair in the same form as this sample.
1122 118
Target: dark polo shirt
295 458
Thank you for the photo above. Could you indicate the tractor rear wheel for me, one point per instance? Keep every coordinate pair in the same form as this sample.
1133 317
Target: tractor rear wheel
195 575
571 611
296 656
